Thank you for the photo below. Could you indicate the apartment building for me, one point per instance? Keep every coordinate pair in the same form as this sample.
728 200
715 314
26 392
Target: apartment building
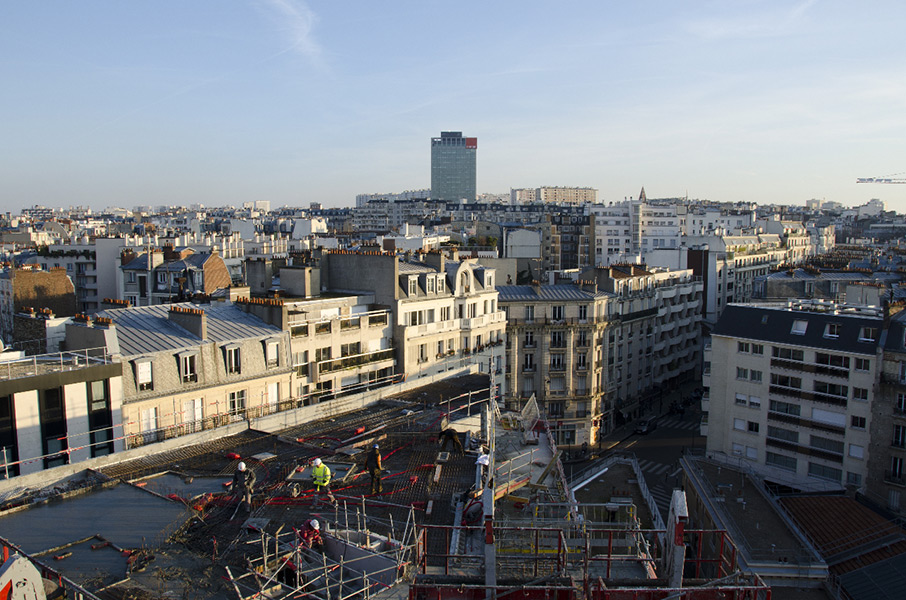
627 231
567 242
188 367
339 344
443 310
33 288
168 275
886 480
58 409
790 391
599 353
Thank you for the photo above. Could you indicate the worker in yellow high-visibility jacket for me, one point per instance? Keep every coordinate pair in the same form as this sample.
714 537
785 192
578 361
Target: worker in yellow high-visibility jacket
320 476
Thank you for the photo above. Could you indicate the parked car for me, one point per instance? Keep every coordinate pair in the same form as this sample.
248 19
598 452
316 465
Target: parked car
646 426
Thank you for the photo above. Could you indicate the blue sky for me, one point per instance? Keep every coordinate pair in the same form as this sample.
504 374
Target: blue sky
220 102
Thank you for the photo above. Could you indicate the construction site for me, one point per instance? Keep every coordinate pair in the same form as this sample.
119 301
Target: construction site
484 511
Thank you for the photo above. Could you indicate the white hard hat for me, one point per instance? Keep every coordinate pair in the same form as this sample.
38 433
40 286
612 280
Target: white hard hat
315 524
316 462
242 466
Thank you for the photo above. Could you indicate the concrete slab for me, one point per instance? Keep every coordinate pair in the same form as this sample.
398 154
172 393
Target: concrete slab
127 516
183 486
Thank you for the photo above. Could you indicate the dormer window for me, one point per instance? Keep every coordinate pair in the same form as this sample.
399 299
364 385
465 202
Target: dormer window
232 358
799 327
187 367
430 283
868 334
440 285
413 286
143 375
832 330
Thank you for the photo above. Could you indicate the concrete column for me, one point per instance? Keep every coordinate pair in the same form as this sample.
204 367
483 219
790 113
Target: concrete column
116 412
28 431
75 405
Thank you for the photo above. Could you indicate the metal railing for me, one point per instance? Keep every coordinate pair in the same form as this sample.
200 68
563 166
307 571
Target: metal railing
31 366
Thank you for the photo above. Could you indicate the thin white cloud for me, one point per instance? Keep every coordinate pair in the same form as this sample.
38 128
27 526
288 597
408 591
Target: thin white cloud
298 20
775 22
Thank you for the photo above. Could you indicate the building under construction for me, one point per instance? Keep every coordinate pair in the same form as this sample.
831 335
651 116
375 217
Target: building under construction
491 516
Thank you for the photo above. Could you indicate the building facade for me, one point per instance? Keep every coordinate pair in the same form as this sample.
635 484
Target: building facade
453 159
790 391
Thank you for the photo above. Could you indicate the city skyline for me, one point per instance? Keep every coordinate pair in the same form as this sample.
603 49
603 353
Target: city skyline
293 102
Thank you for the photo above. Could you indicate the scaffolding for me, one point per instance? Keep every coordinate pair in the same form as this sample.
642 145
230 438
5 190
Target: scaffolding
352 563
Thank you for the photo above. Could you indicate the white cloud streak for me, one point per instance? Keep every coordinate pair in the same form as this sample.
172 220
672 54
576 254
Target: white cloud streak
771 23
298 20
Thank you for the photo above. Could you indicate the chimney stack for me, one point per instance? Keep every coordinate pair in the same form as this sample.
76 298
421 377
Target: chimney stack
192 320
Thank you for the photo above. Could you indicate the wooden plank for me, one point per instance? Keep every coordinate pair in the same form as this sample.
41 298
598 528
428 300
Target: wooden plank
548 468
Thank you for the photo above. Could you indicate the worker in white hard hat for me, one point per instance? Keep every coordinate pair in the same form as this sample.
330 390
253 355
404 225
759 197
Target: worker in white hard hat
310 535
320 478
244 484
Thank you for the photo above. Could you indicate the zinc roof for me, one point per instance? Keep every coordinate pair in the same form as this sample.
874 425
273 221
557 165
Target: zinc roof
560 292
147 329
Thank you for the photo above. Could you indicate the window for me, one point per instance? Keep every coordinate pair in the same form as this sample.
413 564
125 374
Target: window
863 364
832 330
787 435
823 443
742 347
422 353
900 407
742 373
868 334
130 277
322 354
742 399
355 348
738 449
440 285
143 378
787 353
755 376
856 451
857 422
529 339
149 419
529 313
754 402
557 313
557 362
799 327
430 285
853 479
785 408
528 362
161 277
757 349
824 472
187 364
899 436
786 381
236 401
583 312
557 339
444 313
787 463
860 394
273 353
753 427
739 424
413 286
232 359
440 348
751 453
832 360
832 389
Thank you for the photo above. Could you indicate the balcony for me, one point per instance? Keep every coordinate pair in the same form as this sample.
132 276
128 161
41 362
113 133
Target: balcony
558 368
358 360
894 477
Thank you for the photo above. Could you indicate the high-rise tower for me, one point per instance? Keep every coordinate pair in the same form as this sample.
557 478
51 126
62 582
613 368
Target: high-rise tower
453 166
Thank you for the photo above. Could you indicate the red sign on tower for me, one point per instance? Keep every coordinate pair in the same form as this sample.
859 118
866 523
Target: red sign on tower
471 142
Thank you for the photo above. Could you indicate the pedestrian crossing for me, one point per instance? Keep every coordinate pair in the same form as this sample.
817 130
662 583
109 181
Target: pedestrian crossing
690 423
654 468
662 495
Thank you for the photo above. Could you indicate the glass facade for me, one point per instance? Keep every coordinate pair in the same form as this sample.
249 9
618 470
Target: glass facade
453 166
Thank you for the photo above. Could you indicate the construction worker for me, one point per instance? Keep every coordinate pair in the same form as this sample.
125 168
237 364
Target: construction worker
449 435
373 464
244 485
320 476
310 535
